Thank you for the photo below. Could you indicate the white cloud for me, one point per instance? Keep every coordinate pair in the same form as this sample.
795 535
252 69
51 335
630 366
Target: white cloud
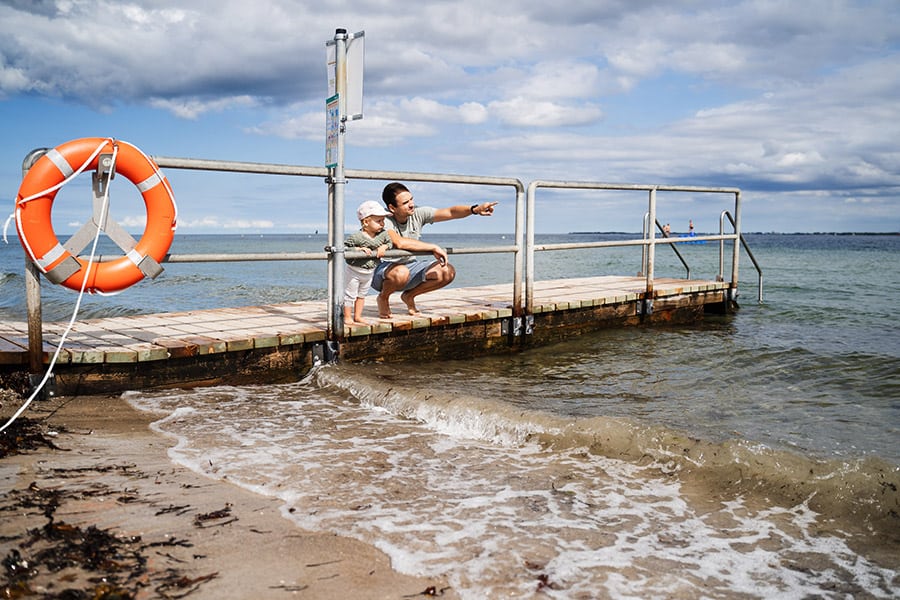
192 108
213 222
561 80
770 96
638 59
521 111
472 113
133 221
12 80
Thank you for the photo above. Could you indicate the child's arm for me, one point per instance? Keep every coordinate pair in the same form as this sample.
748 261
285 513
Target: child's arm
351 243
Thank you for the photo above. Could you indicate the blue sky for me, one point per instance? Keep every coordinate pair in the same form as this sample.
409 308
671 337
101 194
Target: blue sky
796 103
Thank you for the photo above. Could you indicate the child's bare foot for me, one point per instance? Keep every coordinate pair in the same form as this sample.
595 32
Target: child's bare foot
384 307
410 303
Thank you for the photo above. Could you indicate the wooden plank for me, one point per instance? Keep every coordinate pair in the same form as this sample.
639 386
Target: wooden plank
207 345
150 352
12 353
177 348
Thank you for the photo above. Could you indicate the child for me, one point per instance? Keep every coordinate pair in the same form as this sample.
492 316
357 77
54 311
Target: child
374 241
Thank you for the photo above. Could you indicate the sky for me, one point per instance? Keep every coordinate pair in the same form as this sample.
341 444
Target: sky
795 103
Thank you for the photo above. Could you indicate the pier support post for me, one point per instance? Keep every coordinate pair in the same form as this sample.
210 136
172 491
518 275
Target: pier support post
33 291
35 317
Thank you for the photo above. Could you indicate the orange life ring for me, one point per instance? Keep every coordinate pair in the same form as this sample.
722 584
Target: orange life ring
35 201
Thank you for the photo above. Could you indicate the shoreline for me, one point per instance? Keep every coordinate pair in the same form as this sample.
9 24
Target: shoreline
103 475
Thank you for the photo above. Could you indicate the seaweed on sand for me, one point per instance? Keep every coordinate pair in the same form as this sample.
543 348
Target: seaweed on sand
49 558
22 435
87 562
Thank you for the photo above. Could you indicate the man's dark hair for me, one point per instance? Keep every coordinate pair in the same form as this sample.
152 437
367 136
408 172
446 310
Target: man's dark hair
390 191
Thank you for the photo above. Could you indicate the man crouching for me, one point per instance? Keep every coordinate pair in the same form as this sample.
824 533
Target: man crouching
408 275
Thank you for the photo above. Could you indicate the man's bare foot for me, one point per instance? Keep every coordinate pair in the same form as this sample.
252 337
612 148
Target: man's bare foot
410 303
384 307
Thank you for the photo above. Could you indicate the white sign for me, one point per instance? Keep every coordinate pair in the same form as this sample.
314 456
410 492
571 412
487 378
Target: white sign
355 65
356 62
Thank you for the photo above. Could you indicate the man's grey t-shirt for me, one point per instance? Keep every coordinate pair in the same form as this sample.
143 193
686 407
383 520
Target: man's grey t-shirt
422 215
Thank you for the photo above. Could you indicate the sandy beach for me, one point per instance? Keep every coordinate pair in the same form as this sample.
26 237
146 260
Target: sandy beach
89 501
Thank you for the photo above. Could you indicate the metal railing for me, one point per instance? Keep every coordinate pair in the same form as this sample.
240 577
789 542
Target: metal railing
759 287
523 249
649 240
335 250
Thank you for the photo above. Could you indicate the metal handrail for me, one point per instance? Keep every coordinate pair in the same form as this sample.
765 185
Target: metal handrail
335 296
759 288
298 256
649 242
523 248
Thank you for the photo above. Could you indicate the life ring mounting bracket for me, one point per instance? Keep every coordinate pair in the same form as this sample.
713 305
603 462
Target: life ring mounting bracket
101 219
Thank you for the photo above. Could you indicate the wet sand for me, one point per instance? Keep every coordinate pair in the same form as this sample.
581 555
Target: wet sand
97 506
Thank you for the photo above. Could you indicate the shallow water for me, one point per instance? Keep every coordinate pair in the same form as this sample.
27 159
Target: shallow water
751 455
510 502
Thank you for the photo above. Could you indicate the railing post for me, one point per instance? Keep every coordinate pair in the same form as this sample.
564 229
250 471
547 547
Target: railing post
644 227
329 288
651 248
721 275
529 248
518 259
338 181
33 291
737 244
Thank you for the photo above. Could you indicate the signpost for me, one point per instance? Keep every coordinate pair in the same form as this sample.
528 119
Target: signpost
344 64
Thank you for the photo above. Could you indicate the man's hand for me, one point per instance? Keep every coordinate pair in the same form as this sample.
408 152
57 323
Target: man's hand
440 254
485 209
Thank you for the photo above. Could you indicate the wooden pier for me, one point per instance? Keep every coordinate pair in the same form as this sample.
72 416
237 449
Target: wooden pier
282 342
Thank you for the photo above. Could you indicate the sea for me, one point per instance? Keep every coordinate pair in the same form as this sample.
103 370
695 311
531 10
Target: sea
752 455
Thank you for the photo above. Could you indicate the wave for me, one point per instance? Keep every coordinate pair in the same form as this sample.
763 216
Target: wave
861 494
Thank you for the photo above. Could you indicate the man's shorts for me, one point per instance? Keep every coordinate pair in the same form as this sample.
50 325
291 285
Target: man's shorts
417 271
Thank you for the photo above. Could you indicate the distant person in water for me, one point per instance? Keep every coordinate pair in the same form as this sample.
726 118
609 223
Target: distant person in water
407 275
691 228
374 241
667 230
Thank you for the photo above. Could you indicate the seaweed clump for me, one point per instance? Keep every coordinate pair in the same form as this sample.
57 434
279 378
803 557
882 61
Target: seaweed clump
22 435
59 560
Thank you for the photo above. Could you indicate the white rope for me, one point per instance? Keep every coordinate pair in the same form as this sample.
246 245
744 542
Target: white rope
9 219
75 174
84 281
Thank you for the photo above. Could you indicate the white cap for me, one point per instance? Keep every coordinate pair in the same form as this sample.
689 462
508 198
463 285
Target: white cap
370 208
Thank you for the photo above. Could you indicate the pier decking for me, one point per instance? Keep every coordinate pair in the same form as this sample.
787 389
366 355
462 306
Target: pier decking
281 342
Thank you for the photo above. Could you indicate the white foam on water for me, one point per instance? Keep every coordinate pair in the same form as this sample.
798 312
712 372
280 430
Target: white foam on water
493 513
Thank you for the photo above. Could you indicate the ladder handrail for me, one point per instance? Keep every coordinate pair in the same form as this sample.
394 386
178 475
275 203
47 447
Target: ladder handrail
725 213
